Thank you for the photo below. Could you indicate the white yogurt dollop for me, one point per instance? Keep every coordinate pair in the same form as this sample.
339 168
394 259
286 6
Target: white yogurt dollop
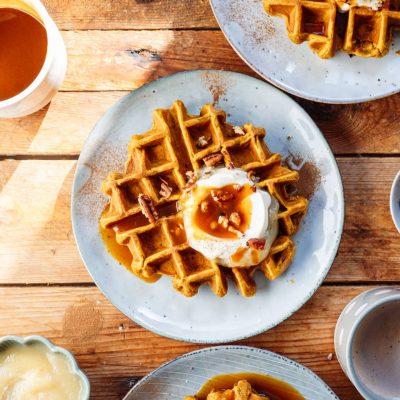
259 208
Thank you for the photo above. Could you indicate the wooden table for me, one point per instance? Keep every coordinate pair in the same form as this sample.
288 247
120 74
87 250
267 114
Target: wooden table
114 47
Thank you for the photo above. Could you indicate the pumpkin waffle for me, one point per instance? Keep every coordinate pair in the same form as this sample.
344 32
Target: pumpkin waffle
154 179
241 391
329 25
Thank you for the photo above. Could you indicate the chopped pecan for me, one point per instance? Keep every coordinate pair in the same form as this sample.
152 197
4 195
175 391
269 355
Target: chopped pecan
234 230
256 244
204 205
221 196
223 220
147 207
251 175
202 142
213 225
238 130
235 219
231 165
213 159
192 179
166 189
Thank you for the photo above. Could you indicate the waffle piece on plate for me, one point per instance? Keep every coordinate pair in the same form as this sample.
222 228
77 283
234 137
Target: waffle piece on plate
162 165
312 21
241 391
361 27
369 31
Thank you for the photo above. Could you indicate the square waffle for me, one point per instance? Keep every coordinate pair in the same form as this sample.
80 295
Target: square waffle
329 25
164 156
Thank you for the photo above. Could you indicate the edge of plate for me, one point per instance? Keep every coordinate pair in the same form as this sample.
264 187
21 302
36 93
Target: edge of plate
232 347
253 332
290 89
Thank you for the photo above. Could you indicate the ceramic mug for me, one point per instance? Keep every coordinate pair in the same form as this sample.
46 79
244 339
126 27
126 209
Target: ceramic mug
50 77
367 343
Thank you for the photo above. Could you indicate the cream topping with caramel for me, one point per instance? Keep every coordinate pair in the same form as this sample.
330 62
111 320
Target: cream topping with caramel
228 219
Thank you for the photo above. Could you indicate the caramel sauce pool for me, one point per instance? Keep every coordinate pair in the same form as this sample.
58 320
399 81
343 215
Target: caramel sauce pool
122 253
23 48
262 384
240 203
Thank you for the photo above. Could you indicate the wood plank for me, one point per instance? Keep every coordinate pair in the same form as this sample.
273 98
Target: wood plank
37 245
127 14
112 350
364 128
125 60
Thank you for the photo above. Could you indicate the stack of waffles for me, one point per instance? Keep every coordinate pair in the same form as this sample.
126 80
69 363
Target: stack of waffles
329 25
161 164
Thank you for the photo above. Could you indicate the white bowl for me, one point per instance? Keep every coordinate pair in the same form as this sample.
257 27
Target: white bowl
7 341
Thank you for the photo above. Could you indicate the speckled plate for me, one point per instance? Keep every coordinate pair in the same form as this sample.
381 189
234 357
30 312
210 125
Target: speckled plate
205 317
262 42
186 375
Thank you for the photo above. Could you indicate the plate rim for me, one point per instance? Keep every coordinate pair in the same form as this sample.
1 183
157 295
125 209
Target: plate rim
232 348
264 327
289 89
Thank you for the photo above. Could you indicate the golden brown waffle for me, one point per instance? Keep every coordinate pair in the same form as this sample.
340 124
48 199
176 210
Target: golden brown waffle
312 21
165 154
369 32
359 31
241 391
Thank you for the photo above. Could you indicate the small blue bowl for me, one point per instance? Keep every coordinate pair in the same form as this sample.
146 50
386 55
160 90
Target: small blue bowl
8 341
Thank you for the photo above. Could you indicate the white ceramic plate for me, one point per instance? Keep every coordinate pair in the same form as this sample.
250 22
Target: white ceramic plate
185 375
262 42
204 317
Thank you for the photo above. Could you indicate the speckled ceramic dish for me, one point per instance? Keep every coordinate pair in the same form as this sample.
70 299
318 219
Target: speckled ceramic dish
8 341
185 375
395 201
205 317
263 43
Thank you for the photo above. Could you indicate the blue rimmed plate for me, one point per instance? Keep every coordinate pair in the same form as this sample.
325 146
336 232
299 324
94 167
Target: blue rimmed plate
185 375
262 42
206 318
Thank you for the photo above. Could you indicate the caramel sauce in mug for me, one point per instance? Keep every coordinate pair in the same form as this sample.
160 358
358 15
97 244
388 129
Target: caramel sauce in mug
23 49
273 388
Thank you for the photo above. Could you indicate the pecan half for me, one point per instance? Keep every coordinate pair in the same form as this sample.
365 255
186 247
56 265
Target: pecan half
256 244
213 159
202 142
147 207
221 196
235 219
166 189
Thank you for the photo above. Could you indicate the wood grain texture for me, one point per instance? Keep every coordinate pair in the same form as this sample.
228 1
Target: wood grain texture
372 127
128 14
37 245
113 350
125 60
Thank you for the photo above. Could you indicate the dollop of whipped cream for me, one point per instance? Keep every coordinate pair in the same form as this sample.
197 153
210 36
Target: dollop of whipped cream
228 219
